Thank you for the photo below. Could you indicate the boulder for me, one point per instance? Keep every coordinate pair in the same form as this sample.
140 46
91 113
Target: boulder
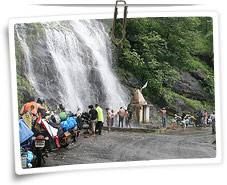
190 87
198 75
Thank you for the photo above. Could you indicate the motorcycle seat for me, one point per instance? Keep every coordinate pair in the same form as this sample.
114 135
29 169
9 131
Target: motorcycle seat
40 137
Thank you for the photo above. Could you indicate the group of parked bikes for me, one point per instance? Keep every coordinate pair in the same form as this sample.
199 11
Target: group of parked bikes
196 120
47 133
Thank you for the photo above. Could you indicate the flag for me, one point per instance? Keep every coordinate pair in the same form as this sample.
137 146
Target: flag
145 85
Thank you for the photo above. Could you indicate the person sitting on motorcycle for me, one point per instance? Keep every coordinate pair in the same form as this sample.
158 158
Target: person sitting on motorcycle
177 119
61 107
63 116
188 120
78 112
29 111
62 113
31 107
37 126
44 111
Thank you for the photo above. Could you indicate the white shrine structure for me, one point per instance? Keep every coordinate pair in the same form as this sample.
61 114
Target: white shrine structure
140 108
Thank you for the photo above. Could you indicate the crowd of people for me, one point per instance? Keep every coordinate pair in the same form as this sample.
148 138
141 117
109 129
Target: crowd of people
97 118
119 118
38 107
200 118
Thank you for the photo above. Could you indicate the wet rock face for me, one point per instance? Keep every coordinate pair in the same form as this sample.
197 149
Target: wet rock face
190 87
65 65
44 68
180 106
155 117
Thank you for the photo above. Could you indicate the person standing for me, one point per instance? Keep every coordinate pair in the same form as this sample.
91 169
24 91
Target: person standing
184 120
112 118
100 119
164 117
212 117
199 121
121 114
128 117
205 115
93 118
109 118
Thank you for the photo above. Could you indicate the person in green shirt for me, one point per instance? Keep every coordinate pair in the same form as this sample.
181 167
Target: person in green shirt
100 119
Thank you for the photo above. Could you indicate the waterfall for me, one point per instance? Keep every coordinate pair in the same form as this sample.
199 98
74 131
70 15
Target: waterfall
71 63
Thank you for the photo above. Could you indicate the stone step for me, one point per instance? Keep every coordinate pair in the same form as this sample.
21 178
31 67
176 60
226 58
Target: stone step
146 130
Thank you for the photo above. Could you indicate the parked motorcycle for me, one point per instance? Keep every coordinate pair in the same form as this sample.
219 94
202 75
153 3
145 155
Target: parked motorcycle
34 147
40 149
59 135
83 120
68 131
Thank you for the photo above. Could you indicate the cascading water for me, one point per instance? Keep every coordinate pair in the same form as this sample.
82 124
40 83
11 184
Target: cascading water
72 64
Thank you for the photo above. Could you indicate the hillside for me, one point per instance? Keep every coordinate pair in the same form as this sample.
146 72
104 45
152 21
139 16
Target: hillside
175 56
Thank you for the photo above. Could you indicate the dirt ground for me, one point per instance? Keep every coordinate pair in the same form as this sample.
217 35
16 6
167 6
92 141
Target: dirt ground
135 146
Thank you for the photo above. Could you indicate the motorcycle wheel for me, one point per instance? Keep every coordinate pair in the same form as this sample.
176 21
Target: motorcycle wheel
63 144
39 159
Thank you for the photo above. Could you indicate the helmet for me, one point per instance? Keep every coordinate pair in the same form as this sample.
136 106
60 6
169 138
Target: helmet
40 101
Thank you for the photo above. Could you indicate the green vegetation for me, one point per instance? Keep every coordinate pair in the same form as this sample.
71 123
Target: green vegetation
160 50
24 90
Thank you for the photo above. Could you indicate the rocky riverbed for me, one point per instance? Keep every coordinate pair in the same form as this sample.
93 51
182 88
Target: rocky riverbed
118 146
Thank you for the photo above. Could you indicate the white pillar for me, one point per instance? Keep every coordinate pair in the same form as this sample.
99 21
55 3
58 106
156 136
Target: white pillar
146 114
141 114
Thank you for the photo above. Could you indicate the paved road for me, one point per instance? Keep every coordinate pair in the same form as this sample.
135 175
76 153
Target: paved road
131 146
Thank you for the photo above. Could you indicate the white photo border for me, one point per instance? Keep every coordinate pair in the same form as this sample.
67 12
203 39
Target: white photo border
218 159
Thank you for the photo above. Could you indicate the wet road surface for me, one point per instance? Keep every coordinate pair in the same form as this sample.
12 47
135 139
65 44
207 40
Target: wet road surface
132 146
